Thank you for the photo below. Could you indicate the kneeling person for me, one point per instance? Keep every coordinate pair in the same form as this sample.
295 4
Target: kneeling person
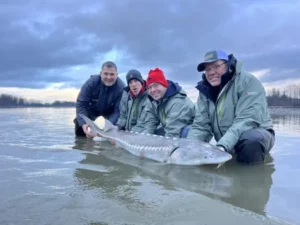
232 106
170 107
133 103
99 96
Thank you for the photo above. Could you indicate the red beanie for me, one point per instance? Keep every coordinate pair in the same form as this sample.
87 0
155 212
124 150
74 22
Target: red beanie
156 76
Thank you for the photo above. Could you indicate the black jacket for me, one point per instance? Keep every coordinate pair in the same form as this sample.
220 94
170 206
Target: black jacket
95 99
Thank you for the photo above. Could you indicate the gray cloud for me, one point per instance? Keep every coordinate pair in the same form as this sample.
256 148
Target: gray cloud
38 37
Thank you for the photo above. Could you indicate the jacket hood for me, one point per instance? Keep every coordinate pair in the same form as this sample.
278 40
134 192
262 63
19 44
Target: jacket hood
173 89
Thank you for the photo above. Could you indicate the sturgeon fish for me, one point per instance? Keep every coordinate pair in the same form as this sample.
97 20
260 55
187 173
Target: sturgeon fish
162 149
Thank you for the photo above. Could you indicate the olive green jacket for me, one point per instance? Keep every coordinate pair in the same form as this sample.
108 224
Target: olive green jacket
131 110
240 106
173 112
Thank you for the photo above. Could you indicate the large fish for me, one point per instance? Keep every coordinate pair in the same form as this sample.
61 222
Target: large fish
180 151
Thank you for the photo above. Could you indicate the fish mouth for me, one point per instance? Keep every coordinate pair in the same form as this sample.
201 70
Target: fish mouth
176 157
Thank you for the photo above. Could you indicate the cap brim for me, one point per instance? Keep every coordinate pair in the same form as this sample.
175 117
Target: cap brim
201 66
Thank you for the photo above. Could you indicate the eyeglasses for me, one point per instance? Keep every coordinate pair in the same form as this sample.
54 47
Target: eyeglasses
152 86
214 67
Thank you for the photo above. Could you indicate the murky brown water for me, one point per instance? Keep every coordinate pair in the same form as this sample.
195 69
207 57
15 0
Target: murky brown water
47 176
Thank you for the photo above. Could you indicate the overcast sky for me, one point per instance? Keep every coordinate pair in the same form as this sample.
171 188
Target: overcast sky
56 45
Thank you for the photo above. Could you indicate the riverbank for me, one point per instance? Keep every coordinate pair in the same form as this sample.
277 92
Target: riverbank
280 110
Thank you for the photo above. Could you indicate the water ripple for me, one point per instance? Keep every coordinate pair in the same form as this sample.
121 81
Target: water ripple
50 172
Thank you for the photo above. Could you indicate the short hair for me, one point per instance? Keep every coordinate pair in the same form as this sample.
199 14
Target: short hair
109 64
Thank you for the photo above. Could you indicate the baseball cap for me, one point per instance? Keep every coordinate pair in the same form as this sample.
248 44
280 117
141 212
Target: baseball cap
212 56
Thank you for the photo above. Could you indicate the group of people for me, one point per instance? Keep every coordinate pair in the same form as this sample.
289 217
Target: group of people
231 106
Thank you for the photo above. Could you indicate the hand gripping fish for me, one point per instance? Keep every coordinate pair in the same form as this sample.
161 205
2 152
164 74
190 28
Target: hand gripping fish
162 149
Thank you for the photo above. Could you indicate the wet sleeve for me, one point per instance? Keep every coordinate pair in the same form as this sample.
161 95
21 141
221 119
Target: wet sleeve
123 110
113 118
83 100
179 114
201 129
250 109
151 121
140 125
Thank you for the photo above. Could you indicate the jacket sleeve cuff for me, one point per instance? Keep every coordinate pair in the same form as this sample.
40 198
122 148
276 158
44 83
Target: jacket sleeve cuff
229 140
222 146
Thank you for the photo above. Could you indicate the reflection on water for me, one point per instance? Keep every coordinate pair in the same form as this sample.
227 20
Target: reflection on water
44 168
286 120
287 123
244 186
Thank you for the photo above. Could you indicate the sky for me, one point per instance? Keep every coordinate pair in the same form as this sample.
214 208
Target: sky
48 49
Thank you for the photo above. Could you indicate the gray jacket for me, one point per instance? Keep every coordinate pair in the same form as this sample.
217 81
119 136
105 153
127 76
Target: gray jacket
241 105
174 111
131 110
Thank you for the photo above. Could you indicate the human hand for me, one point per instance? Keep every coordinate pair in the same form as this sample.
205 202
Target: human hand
89 134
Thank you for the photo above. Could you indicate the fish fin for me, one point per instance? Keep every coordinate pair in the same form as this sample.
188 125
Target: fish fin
94 128
109 126
219 165
113 142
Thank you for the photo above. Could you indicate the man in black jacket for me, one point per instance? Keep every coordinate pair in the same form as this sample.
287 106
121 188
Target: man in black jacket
99 96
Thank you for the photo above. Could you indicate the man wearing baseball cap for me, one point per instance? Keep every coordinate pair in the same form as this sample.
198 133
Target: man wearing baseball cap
133 102
232 107
170 107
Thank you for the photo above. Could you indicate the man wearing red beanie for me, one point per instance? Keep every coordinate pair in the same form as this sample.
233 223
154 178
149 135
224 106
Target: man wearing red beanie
170 107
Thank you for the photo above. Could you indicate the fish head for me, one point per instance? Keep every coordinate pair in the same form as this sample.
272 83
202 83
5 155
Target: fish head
195 153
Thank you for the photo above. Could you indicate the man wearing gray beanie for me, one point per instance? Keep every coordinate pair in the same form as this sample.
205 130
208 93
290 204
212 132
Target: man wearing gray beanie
133 102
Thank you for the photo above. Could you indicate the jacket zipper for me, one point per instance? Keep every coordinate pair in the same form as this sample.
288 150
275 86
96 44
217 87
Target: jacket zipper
129 115
216 104
216 109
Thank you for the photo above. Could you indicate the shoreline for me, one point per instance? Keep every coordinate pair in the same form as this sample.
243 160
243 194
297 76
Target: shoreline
279 110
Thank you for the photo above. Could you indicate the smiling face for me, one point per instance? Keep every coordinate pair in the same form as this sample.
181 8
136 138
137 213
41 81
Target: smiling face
135 86
157 91
214 71
109 75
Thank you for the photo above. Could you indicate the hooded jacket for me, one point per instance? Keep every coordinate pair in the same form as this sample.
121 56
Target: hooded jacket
174 111
132 109
239 106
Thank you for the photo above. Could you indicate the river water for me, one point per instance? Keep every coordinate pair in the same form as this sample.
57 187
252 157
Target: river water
47 176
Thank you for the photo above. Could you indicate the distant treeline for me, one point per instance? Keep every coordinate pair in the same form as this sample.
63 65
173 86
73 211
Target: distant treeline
288 97
7 101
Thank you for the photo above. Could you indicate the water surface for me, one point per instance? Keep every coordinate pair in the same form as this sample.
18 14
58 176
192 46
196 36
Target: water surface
47 176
